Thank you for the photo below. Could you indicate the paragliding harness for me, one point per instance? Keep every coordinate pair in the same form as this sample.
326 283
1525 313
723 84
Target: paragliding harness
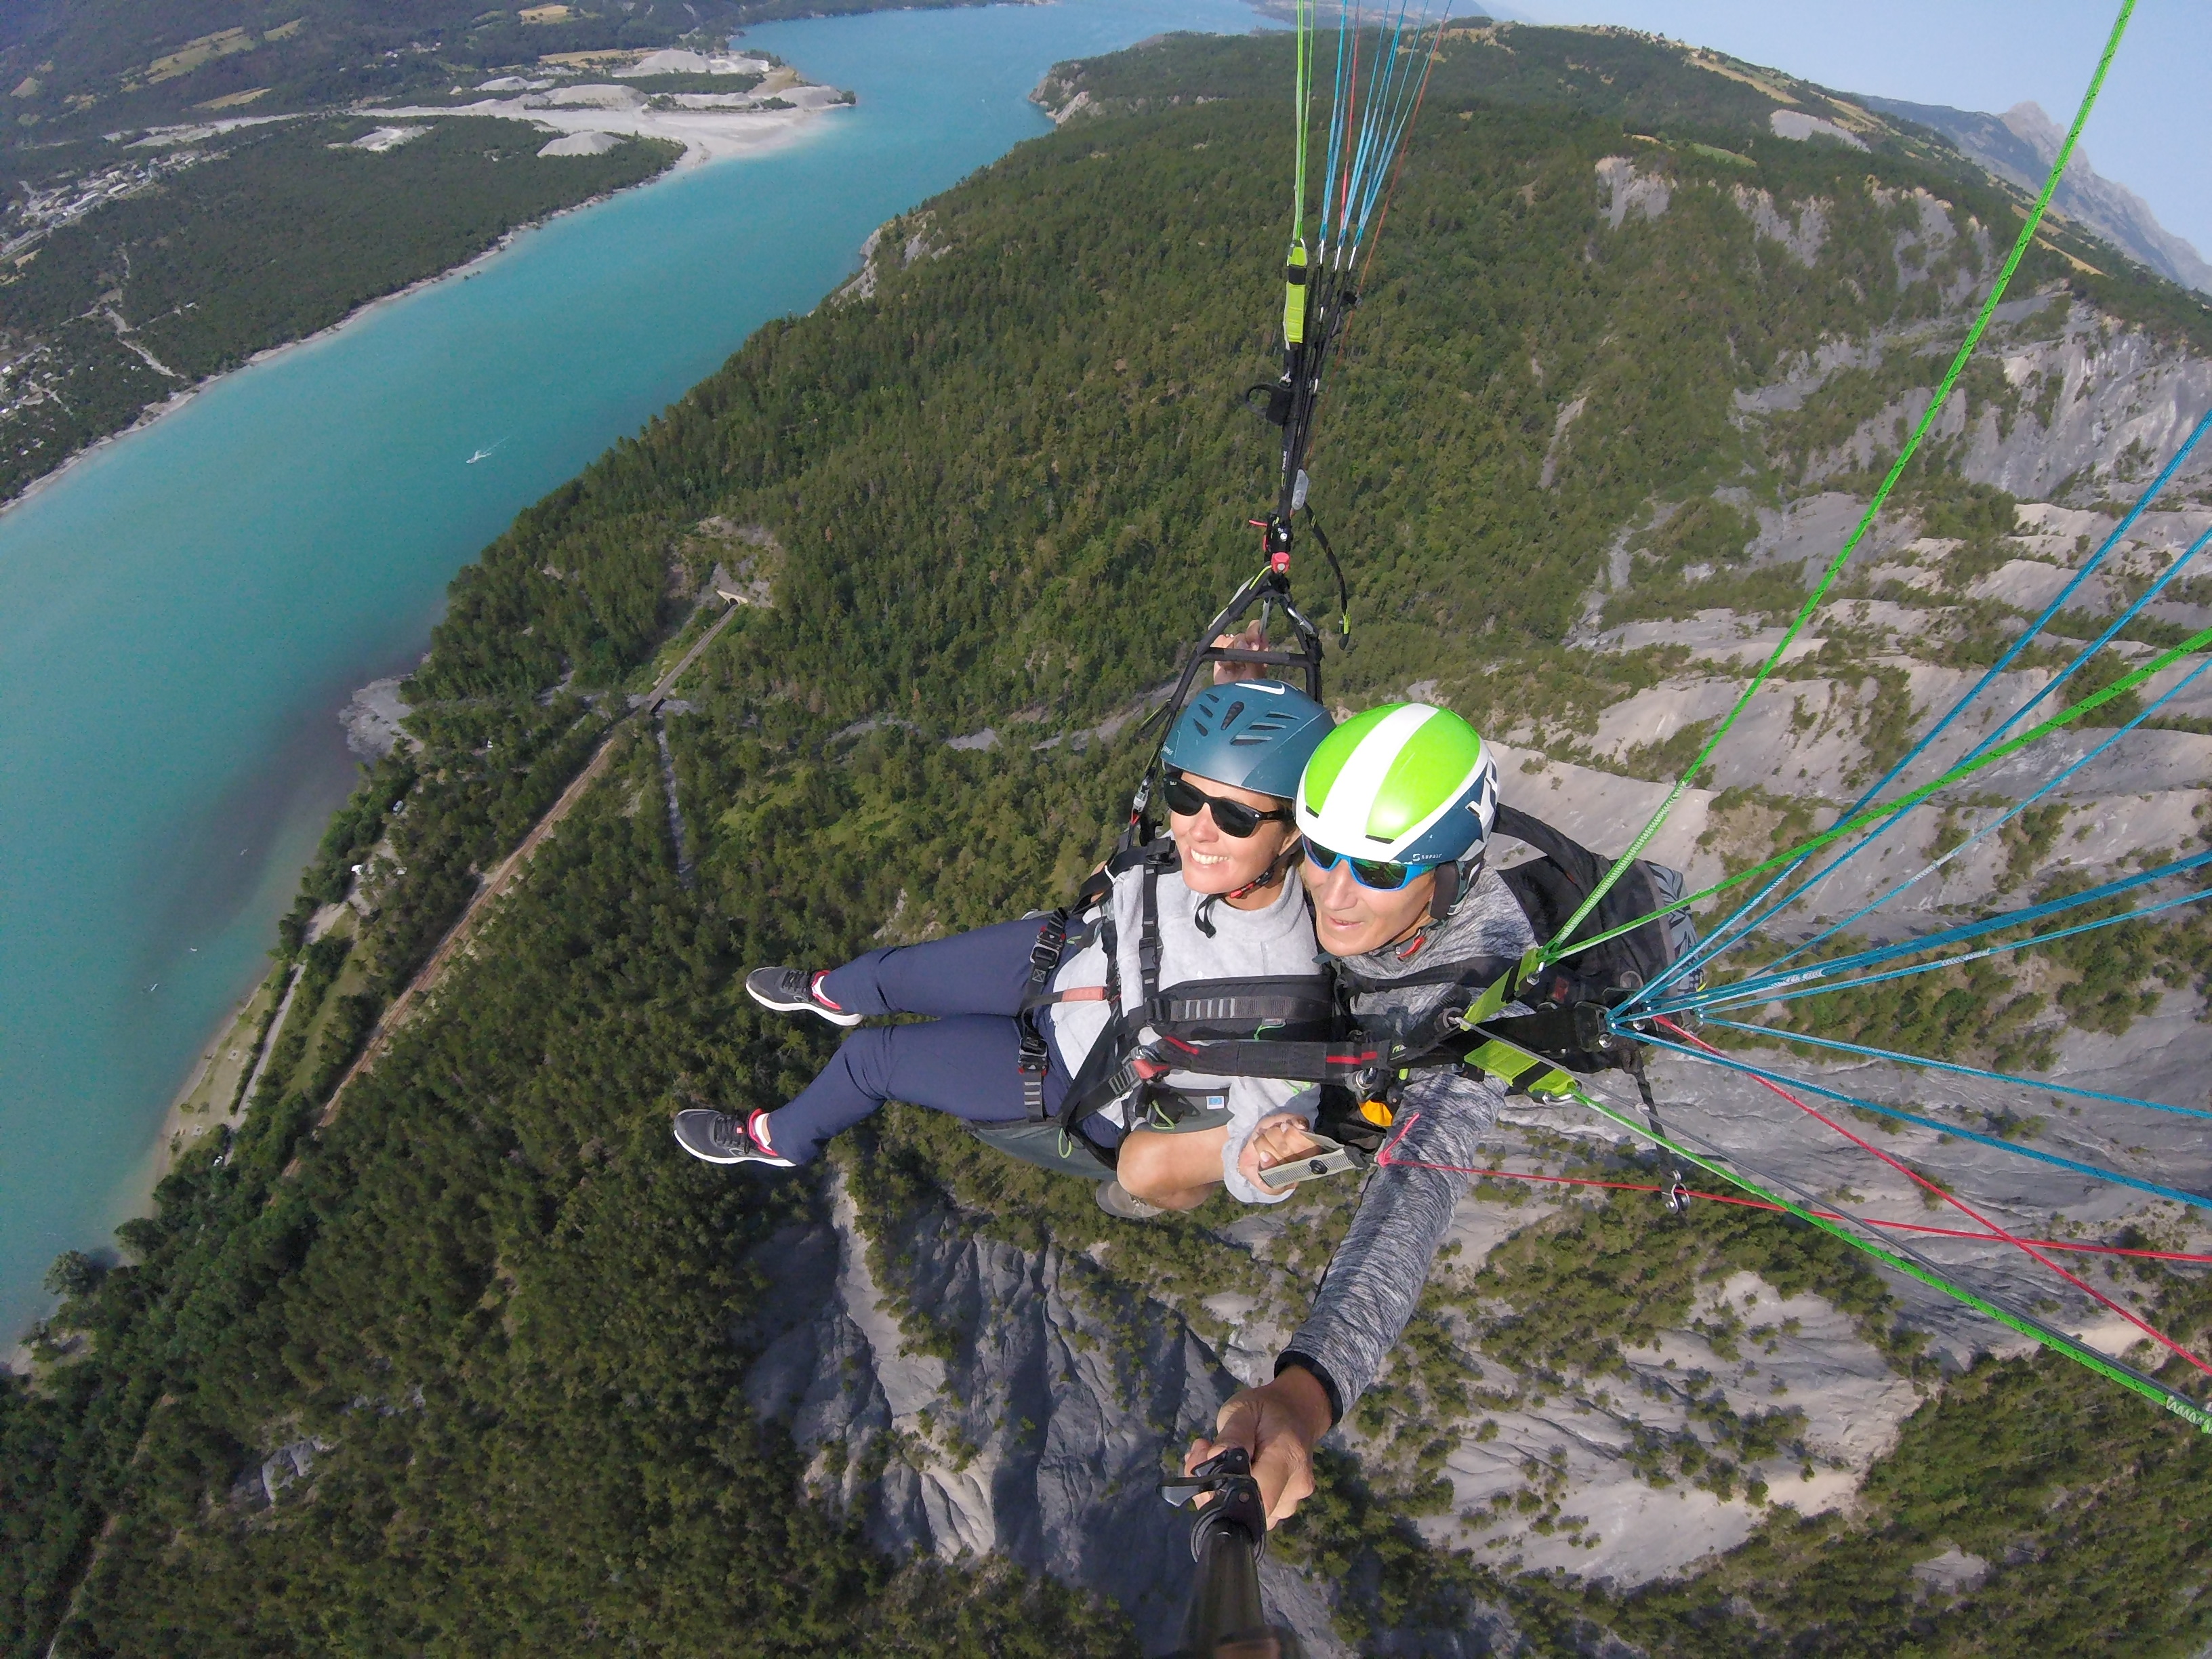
1568 1026
1571 999
1190 1020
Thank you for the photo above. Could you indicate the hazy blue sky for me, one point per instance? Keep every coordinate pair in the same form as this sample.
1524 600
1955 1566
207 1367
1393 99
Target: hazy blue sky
2153 128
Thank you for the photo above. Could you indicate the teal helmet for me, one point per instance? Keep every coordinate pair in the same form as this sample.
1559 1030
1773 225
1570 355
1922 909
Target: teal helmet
1248 734
1404 784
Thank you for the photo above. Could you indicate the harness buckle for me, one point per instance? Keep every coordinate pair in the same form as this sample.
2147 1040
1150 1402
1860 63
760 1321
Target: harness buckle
1051 943
1035 1062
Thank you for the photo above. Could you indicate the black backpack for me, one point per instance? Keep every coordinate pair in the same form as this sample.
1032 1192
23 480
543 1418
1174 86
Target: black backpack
1550 888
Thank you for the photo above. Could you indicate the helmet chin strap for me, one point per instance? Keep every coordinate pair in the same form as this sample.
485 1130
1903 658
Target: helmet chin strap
1454 881
1267 878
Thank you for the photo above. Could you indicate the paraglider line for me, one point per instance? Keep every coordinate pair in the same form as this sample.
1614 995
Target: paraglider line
1902 1260
2020 245
1956 1203
1982 834
1715 1057
1776 989
1719 941
2043 1084
1782 1209
1555 950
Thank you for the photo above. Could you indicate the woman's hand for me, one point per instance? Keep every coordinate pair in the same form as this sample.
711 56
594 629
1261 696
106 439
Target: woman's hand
1280 1139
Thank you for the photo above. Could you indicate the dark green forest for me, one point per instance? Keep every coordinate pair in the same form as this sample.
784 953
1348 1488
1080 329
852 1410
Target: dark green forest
487 1325
268 234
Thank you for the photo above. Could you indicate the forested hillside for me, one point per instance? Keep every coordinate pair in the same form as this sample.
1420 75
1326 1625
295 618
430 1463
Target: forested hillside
476 1360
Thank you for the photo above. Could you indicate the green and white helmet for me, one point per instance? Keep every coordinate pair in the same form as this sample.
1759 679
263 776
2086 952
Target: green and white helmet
1406 783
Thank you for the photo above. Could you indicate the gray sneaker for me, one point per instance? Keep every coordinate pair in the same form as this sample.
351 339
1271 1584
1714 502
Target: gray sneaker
793 990
1116 1200
724 1138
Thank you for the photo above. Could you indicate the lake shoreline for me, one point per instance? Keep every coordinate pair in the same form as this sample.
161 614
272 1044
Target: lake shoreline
181 1126
788 134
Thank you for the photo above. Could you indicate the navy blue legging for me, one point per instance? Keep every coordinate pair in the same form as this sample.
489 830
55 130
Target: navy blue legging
966 1061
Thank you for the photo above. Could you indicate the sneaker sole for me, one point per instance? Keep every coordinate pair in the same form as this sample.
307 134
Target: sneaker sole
776 1006
739 1158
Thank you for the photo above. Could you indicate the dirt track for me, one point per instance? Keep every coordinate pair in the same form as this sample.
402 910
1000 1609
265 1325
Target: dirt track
504 876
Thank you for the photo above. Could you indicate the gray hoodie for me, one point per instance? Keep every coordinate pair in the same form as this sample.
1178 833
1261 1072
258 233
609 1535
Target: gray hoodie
1373 1281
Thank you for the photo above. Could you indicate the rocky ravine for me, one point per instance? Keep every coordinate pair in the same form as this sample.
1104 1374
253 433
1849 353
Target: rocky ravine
1038 1430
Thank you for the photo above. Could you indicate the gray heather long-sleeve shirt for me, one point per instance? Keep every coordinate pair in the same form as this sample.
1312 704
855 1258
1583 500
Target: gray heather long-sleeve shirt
1374 1280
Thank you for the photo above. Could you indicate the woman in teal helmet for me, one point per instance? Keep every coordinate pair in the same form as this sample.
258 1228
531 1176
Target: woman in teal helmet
1027 1015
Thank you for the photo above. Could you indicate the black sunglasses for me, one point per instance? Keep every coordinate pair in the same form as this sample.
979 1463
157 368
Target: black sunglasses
1383 877
1232 817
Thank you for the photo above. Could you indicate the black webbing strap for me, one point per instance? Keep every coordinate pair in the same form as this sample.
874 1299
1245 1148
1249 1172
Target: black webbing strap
1037 1054
1292 1062
1148 937
1301 1004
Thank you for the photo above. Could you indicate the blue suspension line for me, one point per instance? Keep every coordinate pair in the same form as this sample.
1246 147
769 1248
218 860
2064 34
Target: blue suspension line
2097 644
1344 32
1392 96
1408 102
1727 1000
1378 76
2039 1085
2005 817
2197 1199
1383 117
1719 938
1759 985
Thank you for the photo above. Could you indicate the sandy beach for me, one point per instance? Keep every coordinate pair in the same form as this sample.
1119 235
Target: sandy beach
711 135
719 131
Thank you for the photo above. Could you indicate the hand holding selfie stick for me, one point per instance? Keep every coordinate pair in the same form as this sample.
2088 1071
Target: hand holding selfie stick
1225 1619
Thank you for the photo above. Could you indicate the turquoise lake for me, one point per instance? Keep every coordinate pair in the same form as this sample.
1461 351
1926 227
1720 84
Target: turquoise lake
183 613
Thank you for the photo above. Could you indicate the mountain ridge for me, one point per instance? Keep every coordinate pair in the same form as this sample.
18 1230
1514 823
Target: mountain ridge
2019 145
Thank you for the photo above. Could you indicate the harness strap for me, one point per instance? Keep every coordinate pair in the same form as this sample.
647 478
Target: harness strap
1148 937
1292 1062
1520 1071
1284 1002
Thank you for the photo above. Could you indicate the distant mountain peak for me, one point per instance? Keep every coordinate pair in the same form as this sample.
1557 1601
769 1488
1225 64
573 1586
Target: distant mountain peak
2019 145
2032 124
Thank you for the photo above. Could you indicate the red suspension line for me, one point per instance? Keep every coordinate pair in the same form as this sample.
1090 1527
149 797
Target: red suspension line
1824 1215
1955 1202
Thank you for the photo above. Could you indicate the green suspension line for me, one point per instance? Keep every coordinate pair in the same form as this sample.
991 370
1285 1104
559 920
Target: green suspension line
1302 95
2180 1405
1294 265
2019 247
1874 815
